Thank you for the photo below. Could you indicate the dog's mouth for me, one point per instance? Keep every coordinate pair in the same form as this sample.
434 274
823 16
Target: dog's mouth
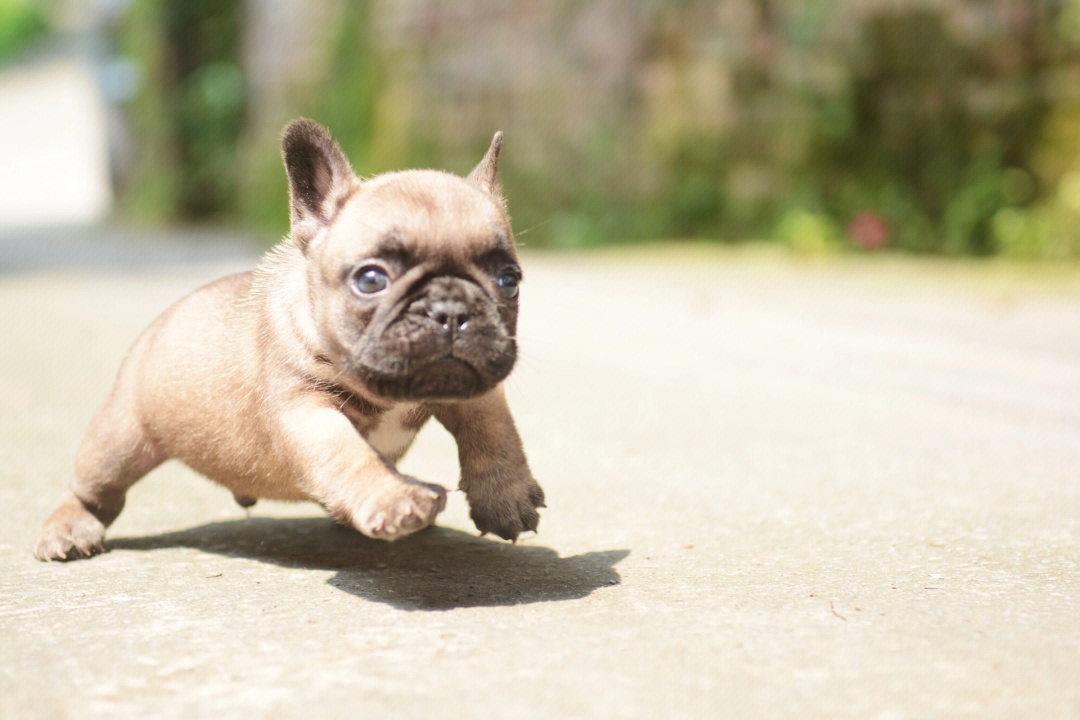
444 378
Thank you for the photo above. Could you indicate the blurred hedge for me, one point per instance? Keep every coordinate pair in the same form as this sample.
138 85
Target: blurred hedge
21 24
189 117
942 126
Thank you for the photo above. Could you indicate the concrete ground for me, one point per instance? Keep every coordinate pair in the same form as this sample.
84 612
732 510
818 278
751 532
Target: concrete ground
777 487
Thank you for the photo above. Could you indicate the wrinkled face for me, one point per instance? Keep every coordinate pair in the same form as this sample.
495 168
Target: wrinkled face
415 287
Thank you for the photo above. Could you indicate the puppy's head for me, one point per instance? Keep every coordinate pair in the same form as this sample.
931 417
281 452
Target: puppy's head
412 277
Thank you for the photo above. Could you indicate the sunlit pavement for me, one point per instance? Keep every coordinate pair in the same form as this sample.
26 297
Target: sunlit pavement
777 487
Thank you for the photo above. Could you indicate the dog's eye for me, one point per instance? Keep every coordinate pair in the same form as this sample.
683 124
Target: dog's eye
369 280
508 284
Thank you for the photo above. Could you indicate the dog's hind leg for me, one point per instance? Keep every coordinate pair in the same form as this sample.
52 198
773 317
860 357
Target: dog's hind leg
114 454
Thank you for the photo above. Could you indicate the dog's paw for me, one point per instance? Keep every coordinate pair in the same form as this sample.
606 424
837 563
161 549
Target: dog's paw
399 508
70 533
507 509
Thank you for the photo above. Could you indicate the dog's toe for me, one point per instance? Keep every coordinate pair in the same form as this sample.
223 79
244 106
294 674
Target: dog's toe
70 533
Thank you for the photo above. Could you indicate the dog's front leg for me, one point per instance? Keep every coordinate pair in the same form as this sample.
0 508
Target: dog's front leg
338 469
502 493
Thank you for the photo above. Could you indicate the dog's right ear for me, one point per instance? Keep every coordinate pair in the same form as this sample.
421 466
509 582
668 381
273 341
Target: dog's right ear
320 177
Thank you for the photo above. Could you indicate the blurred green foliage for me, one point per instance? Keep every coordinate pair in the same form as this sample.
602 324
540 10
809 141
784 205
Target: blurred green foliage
904 136
346 100
950 126
21 24
189 115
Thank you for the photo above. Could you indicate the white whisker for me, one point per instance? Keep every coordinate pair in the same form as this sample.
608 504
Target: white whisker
530 229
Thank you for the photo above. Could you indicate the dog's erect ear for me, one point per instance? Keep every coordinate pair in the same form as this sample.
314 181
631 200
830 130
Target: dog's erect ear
319 177
486 174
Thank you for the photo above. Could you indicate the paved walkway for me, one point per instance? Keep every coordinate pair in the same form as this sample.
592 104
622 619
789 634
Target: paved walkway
776 488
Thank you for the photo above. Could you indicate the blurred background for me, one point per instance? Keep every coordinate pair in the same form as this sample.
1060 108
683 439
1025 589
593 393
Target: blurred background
933 126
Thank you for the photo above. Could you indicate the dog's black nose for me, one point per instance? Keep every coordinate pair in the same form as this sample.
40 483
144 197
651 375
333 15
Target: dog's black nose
450 314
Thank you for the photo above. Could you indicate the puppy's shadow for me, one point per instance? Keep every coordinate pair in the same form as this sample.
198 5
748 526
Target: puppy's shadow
435 569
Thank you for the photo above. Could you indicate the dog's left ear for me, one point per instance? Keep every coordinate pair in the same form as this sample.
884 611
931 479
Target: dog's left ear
486 174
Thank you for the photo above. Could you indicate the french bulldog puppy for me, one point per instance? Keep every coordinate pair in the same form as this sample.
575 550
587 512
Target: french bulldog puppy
393 300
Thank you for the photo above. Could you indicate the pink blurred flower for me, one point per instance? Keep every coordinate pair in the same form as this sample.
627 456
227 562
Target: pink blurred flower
868 230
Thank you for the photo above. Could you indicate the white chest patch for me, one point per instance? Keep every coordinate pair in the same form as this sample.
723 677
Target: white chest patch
390 436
